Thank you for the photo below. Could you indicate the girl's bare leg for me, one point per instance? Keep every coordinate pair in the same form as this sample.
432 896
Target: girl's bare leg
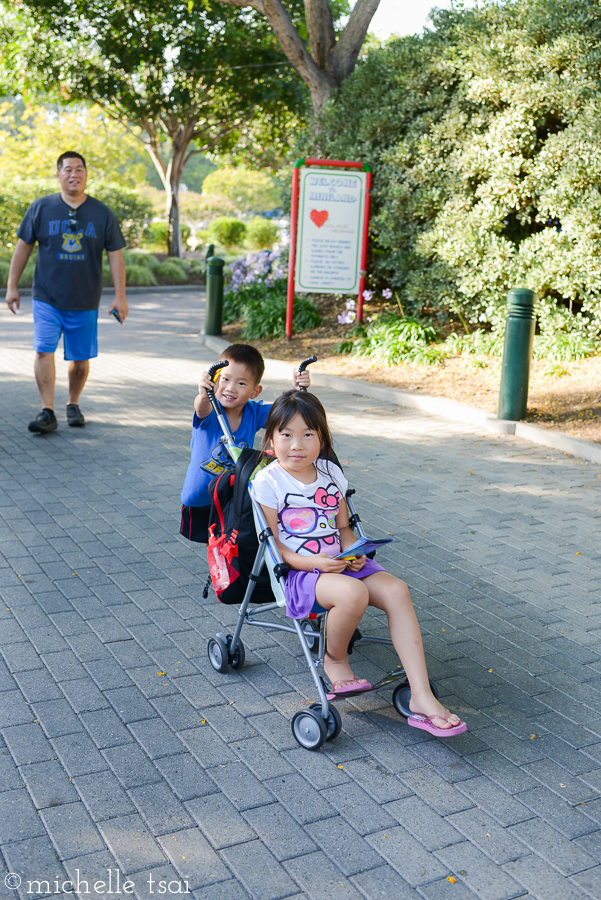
392 596
346 600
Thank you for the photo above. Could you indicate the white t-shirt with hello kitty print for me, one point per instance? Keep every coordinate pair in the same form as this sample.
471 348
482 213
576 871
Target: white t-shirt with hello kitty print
306 512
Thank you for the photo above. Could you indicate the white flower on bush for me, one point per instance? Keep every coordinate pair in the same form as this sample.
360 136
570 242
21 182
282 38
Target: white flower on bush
349 313
367 295
387 293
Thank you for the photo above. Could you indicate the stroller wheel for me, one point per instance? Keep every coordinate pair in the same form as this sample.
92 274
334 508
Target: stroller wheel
218 654
309 729
311 625
333 722
402 695
238 659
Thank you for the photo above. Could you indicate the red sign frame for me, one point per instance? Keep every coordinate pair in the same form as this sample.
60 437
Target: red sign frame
341 164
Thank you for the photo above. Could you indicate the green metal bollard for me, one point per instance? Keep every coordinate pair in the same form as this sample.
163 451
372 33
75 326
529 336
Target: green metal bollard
214 309
517 354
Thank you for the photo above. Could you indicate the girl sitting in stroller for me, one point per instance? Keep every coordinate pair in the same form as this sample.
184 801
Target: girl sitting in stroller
302 496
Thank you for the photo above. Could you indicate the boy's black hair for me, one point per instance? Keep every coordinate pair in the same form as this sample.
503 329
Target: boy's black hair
311 412
248 356
69 154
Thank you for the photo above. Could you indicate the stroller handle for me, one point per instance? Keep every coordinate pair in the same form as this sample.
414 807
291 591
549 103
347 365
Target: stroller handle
212 370
303 366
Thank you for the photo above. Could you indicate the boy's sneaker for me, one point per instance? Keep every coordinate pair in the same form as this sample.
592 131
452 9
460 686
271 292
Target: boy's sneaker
44 422
75 416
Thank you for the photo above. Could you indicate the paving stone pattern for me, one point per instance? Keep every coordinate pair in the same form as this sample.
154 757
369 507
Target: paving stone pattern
123 753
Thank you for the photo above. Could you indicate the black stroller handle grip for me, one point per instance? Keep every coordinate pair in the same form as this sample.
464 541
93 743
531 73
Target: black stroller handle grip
213 369
303 366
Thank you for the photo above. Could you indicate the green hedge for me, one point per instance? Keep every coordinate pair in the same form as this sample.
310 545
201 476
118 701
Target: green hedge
132 210
484 135
262 309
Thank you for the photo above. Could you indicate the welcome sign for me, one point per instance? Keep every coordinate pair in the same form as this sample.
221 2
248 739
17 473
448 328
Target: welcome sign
331 208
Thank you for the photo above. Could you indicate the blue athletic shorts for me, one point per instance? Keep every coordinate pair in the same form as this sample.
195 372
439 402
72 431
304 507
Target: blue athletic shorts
79 327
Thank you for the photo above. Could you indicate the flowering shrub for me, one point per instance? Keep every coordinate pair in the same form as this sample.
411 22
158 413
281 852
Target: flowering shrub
227 231
264 267
392 340
257 295
349 314
261 234
484 133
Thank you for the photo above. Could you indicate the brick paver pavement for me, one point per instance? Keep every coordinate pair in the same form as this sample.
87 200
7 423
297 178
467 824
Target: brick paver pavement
124 755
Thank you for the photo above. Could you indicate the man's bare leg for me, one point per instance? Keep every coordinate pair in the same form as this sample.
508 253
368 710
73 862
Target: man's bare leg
78 375
45 375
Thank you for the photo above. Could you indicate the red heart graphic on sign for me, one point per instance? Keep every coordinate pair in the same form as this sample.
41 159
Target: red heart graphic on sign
319 216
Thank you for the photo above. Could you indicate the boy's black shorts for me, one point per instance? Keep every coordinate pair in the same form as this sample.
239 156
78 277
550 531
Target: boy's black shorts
195 523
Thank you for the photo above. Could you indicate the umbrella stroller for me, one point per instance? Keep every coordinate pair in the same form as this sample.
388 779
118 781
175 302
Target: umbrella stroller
265 577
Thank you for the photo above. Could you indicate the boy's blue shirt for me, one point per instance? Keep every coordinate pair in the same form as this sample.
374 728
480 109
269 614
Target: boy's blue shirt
209 457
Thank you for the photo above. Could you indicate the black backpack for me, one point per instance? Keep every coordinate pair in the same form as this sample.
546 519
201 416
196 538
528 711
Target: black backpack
232 516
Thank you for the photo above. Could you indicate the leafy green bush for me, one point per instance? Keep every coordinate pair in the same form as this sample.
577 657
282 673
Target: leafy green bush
172 270
139 275
227 231
234 302
15 197
561 347
478 342
133 211
394 341
26 279
484 133
141 258
261 234
267 318
262 309
194 267
141 269
575 341
156 235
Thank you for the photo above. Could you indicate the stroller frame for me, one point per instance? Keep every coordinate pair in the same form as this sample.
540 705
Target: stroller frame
320 722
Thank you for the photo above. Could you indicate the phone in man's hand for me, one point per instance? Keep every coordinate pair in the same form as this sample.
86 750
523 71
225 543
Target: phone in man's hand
115 313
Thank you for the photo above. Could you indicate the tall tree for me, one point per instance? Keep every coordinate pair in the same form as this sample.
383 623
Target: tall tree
192 77
332 51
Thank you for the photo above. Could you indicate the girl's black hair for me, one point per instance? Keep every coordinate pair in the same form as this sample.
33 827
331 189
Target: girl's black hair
311 412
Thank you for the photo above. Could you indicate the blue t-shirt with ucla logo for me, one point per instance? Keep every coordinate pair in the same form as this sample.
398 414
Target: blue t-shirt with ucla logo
68 269
209 456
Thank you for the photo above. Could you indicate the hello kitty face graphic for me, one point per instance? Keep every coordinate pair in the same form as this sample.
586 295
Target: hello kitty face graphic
317 524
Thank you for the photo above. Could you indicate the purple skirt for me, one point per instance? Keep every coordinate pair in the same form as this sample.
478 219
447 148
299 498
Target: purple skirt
300 587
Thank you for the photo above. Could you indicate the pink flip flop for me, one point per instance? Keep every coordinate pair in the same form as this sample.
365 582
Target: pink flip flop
416 720
348 688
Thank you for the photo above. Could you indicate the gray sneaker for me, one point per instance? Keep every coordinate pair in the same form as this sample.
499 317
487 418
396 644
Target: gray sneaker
44 422
75 416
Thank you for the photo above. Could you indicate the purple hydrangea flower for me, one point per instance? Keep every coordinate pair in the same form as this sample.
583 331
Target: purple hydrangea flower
265 266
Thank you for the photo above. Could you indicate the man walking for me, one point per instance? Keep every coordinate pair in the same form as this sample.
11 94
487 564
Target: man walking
72 231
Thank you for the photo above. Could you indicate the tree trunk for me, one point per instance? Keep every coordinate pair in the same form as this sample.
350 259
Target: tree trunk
330 61
174 231
180 141
171 176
